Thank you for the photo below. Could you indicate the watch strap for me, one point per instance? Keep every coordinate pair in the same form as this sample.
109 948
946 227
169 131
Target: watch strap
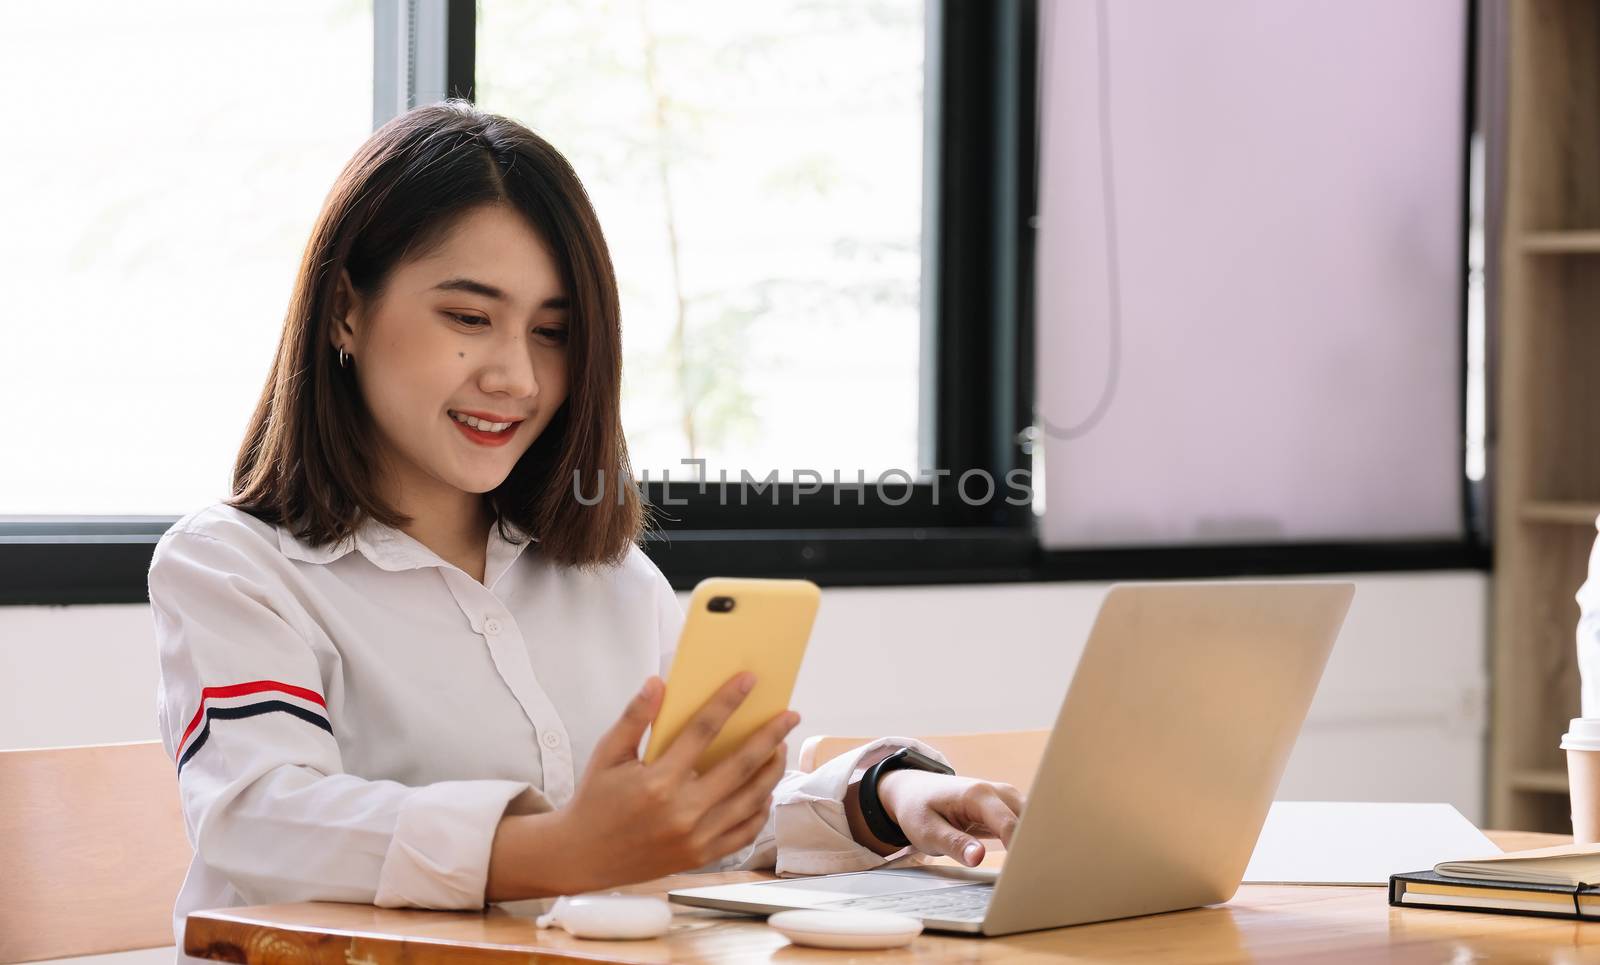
872 810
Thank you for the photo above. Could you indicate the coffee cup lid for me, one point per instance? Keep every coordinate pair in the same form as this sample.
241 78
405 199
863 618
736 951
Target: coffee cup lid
1583 734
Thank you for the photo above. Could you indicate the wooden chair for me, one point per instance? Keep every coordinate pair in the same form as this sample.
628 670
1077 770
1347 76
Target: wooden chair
1005 756
93 848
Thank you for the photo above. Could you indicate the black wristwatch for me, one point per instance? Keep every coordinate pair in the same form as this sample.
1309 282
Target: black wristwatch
878 821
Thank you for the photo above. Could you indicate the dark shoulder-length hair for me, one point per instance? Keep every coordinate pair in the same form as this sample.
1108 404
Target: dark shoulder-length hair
308 462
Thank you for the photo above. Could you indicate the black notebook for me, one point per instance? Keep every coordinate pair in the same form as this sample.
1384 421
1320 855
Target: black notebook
1549 883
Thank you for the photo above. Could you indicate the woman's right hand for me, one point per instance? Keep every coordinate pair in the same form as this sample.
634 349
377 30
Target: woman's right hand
630 821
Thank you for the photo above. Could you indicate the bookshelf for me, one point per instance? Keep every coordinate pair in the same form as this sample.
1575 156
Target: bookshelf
1548 407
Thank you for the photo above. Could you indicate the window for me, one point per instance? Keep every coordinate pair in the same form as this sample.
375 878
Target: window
821 213
815 210
786 187
757 168
159 183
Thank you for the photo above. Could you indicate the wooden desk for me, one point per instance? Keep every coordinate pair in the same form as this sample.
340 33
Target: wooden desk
1261 923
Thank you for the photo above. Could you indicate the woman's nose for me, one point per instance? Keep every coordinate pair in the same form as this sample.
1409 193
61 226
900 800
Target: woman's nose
510 372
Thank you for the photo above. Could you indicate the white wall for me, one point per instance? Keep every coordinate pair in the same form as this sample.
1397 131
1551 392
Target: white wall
1400 715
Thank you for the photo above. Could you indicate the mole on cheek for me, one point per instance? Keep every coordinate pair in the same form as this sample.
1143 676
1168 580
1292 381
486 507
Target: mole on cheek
461 355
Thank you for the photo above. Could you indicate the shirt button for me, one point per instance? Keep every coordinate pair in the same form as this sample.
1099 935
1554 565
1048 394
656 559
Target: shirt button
491 626
552 739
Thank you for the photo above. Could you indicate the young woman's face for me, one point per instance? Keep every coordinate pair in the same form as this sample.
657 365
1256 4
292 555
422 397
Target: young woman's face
462 359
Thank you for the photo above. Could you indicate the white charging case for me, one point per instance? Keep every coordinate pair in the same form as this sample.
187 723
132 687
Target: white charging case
612 917
846 929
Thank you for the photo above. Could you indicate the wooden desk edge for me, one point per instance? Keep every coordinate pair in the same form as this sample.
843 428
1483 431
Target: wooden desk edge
225 937
251 934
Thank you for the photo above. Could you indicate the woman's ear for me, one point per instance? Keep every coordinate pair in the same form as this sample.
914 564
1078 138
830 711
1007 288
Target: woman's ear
347 309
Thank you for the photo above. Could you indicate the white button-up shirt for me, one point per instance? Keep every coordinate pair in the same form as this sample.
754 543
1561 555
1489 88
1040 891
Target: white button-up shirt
351 722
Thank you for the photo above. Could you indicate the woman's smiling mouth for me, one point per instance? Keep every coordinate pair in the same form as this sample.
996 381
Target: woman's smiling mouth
484 428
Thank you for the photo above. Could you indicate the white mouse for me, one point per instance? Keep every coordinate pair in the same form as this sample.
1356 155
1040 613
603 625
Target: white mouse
609 916
846 929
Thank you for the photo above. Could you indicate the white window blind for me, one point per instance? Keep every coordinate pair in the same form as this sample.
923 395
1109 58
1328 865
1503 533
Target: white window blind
1250 270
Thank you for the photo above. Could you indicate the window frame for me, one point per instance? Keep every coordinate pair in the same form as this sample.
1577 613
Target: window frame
976 392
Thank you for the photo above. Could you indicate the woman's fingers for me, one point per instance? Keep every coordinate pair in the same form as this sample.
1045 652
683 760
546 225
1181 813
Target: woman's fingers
754 794
733 771
621 742
1013 798
707 722
741 835
980 810
996 816
935 835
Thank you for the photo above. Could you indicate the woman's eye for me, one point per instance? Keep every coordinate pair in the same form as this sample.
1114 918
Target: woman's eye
552 334
470 321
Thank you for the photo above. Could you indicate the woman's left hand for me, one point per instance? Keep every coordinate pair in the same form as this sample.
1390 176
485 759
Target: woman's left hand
947 814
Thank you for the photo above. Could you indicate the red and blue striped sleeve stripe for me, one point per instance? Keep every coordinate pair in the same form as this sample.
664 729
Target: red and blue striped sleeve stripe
267 704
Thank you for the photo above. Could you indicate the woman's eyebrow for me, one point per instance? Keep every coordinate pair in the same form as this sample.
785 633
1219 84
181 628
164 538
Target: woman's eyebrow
489 291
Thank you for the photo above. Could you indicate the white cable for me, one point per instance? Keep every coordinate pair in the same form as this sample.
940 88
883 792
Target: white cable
1108 190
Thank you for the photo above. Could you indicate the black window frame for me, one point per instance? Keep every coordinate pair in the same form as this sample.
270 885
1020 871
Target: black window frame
976 403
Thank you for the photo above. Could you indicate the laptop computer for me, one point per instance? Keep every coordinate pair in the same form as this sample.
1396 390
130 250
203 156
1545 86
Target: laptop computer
1156 779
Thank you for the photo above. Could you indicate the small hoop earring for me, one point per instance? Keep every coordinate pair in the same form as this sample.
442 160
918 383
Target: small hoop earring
344 358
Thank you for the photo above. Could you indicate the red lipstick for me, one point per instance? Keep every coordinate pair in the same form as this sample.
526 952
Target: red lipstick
480 436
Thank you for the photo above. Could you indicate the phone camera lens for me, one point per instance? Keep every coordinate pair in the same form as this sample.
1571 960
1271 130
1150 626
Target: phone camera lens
720 604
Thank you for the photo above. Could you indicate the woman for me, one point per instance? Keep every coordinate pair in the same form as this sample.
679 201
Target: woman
404 664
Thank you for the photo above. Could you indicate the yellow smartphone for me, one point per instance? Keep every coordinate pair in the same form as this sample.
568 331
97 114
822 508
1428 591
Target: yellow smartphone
734 625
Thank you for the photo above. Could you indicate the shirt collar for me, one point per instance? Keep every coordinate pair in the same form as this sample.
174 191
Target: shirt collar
389 549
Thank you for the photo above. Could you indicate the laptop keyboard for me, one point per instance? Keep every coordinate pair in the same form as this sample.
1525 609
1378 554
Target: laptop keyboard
961 903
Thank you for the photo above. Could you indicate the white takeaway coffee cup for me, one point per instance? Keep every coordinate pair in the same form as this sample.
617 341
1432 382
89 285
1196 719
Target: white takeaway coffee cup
1582 744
